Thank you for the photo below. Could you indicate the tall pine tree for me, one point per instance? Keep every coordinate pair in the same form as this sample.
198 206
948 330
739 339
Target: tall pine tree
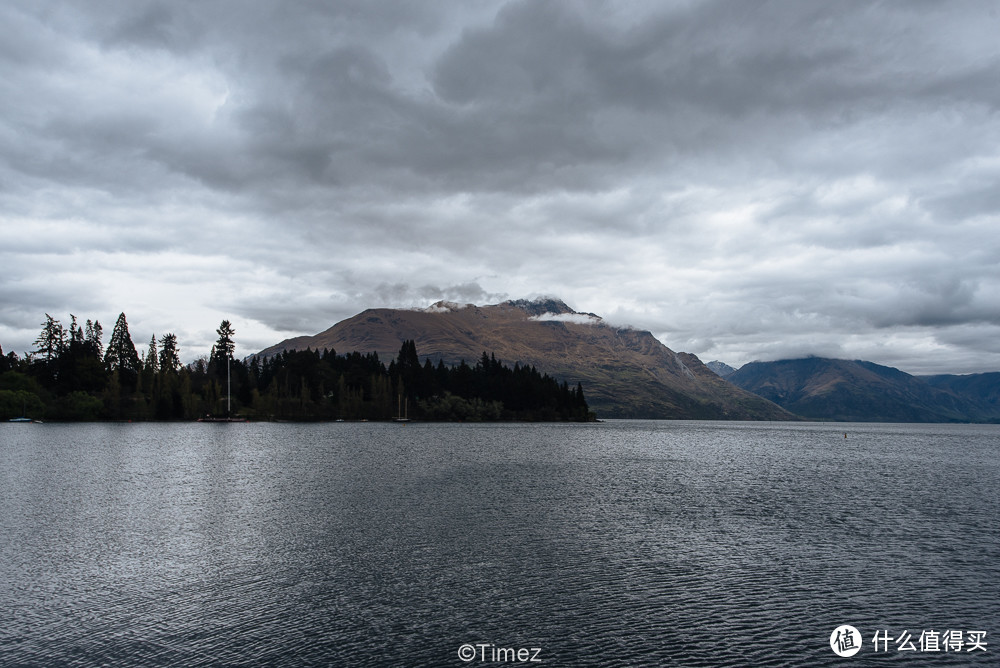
223 349
93 336
51 341
121 354
152 361
169 360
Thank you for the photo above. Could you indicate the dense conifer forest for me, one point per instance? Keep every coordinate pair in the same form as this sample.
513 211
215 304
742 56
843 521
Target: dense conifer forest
72 376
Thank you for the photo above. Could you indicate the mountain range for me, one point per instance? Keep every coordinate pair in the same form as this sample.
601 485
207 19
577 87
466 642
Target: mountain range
857 391
625 373
628 373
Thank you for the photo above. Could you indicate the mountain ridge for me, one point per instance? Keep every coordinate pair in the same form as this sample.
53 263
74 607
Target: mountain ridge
625 372
720 368
860 391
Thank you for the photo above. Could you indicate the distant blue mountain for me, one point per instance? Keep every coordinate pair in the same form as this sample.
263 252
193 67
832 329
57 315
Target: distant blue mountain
857 391
983 388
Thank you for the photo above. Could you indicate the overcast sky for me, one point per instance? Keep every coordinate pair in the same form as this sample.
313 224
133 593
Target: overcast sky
747 180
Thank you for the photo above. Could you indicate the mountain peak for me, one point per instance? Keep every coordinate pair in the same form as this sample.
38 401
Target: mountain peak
540 306
720 368
444 306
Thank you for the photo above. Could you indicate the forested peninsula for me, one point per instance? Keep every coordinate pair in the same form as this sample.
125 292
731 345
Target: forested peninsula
72 376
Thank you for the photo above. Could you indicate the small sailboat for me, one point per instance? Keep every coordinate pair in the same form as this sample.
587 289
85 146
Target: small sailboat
24 418
401 415
229 403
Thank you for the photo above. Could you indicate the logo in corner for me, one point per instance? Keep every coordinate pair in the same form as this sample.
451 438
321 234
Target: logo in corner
845 640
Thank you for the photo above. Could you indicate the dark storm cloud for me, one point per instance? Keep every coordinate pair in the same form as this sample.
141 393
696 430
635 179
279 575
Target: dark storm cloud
744 179
153 26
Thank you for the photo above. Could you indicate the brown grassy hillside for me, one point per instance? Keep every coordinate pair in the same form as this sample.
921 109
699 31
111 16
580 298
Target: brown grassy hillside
624 372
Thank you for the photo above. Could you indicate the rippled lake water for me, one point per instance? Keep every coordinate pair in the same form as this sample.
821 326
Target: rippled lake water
627 543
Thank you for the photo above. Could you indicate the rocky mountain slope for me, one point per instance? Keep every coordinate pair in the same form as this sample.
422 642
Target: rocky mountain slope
720 368
625 373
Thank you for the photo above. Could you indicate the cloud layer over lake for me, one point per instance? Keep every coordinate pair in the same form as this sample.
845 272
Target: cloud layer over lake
746 180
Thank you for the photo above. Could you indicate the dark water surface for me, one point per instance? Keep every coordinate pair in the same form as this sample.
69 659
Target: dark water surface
619 544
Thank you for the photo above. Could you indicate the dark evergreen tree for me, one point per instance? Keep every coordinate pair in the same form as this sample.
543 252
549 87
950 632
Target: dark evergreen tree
51 341
121 356
93 336
75 333
408 371
224 347
12 362
80 371
169 359
152 361
224 370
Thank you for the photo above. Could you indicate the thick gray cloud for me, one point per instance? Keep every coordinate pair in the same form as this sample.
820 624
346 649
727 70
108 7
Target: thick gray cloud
746 180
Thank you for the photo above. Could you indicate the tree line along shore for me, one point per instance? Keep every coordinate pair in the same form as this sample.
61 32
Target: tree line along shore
72 376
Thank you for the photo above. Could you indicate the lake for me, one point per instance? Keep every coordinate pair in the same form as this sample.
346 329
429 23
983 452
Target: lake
625 543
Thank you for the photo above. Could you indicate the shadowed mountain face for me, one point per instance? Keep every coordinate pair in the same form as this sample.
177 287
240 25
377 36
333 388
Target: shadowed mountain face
983 388
624 372
842 390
